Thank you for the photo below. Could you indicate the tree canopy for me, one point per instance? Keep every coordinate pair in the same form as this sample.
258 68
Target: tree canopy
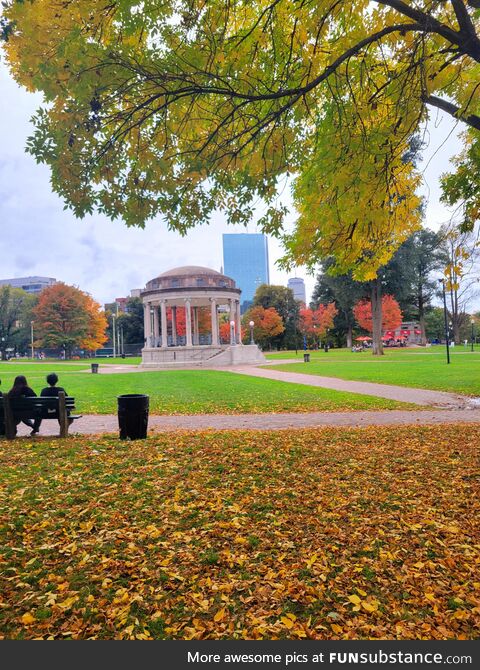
179 108
66 317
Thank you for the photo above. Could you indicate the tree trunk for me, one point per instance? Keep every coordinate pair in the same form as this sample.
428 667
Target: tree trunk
349 336
421 319
377 348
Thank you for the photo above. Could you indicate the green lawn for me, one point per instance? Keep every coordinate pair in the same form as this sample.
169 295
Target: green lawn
423 368
188 391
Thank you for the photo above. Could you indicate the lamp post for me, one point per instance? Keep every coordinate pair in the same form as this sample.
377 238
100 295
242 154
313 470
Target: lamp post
251 324
472 321
31 337
114 336
232 332
445 318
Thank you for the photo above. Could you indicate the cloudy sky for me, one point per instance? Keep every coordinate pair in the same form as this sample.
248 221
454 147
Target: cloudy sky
106 258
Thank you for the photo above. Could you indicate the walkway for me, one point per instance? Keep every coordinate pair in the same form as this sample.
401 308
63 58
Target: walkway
401 393
108 423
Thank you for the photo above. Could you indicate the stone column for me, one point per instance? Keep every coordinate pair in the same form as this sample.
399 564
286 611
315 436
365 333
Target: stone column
232 318
147 324
213 308
188 322
156 328
174 326
196 337
239 324
163 310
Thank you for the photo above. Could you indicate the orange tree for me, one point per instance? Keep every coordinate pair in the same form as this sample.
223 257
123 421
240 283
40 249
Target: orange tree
391 314
267 324
316 323
66 317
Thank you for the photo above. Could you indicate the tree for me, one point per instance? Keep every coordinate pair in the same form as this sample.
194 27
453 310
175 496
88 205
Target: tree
184 108
461 255
66 317
283 301
408 276
15 316
267 325
391 314
316 323
130 323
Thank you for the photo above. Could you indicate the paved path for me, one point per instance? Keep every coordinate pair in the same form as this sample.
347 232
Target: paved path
401 393
416 396
108 423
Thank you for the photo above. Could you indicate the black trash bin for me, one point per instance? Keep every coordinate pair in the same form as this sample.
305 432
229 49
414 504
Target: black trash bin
94 367
133 416
306 358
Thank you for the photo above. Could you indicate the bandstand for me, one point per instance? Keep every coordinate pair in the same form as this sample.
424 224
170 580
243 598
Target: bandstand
181 319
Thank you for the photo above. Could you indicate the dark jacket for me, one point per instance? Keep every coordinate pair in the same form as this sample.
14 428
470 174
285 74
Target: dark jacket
51 391
25 392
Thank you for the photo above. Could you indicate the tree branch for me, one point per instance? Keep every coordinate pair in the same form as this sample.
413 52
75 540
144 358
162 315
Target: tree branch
472 119
432 25
463 18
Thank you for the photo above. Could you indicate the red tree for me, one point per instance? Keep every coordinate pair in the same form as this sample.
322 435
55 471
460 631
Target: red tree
391 314
317 322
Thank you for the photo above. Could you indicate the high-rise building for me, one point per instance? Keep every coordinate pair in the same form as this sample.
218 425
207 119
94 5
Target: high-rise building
298 287
29 284
245 259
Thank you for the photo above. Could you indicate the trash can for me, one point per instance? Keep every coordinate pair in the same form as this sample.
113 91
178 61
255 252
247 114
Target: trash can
326 348
94 367
306 358
133 416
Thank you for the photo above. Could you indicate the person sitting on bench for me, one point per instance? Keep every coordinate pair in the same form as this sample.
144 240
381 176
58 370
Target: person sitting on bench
2 421
21 389
50 391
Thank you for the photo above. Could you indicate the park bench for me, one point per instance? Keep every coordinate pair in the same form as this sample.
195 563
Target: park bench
19 408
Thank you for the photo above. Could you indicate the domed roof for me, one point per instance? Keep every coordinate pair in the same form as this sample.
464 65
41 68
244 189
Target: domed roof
189 270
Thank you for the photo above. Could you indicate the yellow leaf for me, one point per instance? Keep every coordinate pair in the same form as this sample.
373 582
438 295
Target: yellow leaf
219 615
369 606
288 623
28 619
354 599
336 628
362 593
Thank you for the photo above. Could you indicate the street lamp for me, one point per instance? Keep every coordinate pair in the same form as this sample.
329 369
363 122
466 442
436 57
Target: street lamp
31 336
445 318
472 321
232 332
251 324
114 336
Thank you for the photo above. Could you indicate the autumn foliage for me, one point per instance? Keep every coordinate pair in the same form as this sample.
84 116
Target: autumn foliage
318 321
391 314
306 534
267 324
66 317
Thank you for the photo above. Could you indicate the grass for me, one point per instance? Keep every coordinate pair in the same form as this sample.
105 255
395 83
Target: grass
189 391
324 534
422 368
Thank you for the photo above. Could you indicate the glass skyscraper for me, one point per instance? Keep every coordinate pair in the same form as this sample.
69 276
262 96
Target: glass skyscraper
245 259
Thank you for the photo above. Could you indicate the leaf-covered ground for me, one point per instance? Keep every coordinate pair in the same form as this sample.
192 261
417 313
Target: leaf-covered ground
353 533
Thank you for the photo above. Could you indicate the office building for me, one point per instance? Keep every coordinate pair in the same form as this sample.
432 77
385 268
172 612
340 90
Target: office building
29 284
245 259
298 287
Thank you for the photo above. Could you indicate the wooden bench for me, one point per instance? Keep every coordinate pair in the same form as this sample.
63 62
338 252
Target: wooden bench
19 408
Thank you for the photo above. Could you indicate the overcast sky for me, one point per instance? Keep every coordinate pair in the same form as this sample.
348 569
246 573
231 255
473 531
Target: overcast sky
106 258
